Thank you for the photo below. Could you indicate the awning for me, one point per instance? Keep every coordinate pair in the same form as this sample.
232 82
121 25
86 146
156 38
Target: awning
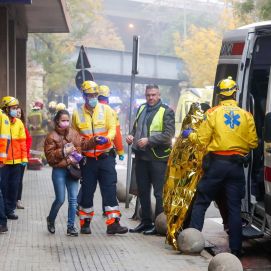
47 16
41 16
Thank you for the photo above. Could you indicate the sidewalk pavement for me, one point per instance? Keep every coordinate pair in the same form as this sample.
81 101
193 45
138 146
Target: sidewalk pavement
29 246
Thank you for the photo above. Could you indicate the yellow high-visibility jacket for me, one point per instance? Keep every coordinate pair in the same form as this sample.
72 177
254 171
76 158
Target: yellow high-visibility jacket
227 130
4 136
101 123
38 121
17 152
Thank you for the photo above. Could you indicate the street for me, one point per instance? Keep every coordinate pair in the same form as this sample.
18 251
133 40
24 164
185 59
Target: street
29 246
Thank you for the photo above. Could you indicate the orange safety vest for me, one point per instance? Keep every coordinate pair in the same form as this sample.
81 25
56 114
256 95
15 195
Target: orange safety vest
4 136
17 152
118 138
101 123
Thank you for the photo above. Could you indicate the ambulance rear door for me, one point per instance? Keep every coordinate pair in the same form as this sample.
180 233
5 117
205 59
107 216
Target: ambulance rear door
267 155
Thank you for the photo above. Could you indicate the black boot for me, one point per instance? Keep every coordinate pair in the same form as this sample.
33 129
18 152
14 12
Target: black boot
142 227
12 216
116 228
50 226
3 228
85 228
151 231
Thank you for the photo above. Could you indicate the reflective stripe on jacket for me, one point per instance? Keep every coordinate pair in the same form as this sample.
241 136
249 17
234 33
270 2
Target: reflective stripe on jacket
4 136
156 128
17 152
118 138
101 123
227 130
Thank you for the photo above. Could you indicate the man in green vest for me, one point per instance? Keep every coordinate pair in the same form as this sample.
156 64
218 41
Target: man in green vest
151 140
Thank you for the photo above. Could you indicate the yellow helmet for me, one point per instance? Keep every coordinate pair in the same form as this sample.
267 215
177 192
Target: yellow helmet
104 91
227 86
60 106
9 101
52 104
89 87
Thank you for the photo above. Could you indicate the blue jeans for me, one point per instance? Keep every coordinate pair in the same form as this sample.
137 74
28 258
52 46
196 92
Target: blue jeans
62 179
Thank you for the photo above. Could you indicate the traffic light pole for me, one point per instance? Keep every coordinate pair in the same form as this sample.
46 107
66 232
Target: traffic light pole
134 72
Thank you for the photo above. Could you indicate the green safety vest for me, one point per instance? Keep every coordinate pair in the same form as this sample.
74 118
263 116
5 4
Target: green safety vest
156 128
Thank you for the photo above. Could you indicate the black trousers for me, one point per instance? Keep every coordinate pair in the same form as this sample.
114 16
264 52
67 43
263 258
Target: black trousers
104 172
150 173
20 189
11 175
229 176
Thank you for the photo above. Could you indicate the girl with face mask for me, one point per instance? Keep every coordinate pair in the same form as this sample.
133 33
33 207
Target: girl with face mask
63 148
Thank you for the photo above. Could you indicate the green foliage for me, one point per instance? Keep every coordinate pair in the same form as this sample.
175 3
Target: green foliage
265 12
253 10
200 49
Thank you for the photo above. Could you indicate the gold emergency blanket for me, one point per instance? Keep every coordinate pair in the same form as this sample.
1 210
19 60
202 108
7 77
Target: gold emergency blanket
184 171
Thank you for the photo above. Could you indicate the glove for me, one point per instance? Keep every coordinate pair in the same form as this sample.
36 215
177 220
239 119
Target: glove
24 164
100 140
121 157
186 133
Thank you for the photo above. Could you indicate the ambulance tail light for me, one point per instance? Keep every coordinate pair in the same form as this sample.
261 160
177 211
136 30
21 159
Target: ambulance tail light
267 174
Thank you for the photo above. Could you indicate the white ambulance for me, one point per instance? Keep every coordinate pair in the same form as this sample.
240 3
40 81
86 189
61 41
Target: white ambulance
246 56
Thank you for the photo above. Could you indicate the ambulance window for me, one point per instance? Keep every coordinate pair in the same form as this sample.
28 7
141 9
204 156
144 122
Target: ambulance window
225 70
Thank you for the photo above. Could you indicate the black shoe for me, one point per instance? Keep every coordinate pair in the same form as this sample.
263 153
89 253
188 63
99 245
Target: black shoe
50 226
85 228
3 228
150 232
12 216
116 228
72 231
141 227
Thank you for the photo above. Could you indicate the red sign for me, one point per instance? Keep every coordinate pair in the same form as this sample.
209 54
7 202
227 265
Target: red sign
232 48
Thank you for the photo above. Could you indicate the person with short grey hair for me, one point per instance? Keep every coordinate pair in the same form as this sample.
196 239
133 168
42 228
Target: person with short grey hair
151 139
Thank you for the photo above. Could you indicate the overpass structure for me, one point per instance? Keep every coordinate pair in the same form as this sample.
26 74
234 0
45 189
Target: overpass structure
115 66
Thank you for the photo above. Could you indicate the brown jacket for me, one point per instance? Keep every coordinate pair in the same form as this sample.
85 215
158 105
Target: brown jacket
54 144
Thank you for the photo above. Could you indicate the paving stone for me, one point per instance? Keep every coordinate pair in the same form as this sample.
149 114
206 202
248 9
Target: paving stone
29 246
